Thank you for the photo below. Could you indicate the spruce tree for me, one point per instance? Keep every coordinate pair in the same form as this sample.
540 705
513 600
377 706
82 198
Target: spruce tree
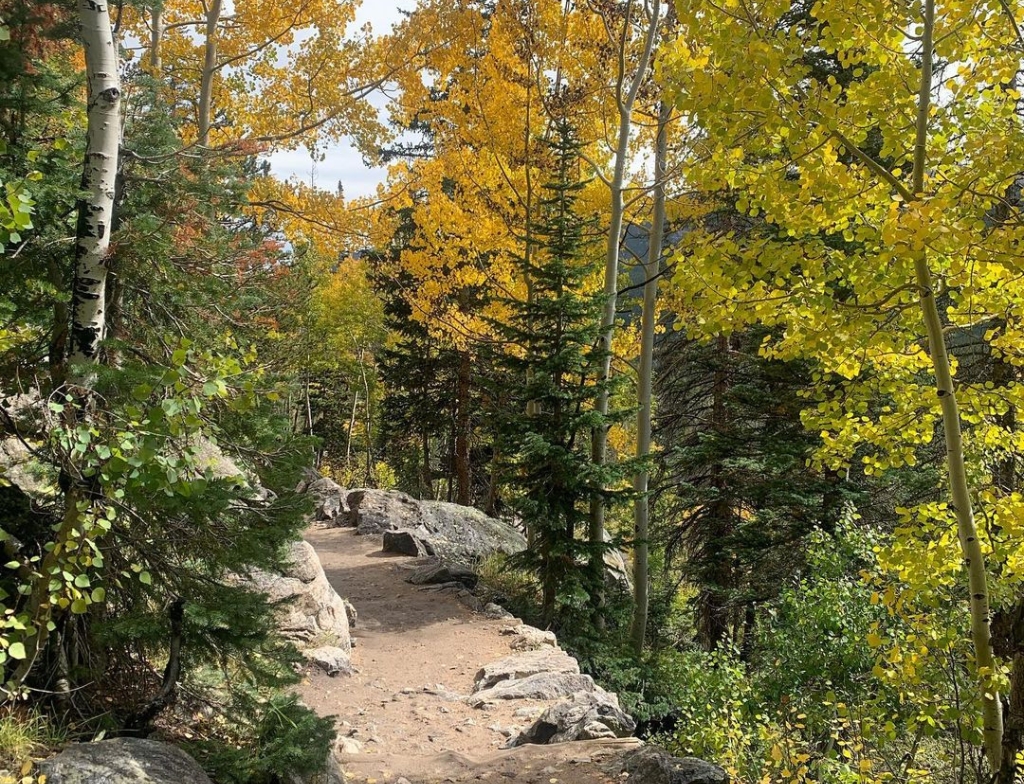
544 422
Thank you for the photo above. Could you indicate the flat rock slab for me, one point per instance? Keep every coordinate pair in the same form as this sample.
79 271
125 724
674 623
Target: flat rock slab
441 574
652 765
523 665
541 686
123 761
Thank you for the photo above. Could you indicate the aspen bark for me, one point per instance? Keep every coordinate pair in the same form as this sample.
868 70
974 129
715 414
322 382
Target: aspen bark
99 176
88 299
156 36
599 442
645 413
974 559
205 119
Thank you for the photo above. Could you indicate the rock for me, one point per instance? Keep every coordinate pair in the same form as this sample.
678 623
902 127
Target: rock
351 612
456 534
530 638
542 686
376 511
586 716
331 505
404 542
496 612
309 476
330 659
652 765
348 746
522 665
439 574
309 609
123 761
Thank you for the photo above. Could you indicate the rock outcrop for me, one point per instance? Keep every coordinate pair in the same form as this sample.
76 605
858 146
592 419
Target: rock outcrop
330 502
652 765
540 686
310 612
530 638
523 665
123 761
455 534
584 716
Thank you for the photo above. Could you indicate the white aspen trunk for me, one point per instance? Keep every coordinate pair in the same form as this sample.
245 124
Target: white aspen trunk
645 413
205 119
599 442
88 299
156 37
974 558
96 207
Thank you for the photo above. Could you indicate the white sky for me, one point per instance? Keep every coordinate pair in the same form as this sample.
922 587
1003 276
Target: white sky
343 162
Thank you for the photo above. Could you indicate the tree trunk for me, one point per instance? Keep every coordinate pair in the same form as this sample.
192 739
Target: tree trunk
717 576
205 119
368 421
156 35
99 177
599 440
641 508
351 430
427 478
974 558
463 469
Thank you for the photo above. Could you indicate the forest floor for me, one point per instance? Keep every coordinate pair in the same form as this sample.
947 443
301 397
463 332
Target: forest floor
417 652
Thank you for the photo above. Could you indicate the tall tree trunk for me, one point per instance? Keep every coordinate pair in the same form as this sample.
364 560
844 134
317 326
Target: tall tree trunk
427 478
717 575
208 77
92 250
599 441
156 36
641 508
351 429
99 180
463 469
368 421
974 558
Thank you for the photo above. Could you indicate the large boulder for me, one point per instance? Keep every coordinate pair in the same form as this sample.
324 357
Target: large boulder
404 542
123 761
540 686
523 665
530 638
456 534
330 502
376 511
585 716
309 611
652 765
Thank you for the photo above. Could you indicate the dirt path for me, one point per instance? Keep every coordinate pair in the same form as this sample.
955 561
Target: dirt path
417 652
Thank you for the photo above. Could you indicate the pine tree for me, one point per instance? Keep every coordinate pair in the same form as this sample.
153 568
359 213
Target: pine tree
544 422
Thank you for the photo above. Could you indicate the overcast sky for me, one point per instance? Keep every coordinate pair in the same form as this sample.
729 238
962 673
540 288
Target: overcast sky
343 162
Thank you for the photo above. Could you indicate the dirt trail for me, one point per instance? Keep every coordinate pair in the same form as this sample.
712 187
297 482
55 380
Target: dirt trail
417 652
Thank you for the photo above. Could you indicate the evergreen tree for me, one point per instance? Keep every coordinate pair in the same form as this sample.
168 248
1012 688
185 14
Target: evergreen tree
735 476
545 420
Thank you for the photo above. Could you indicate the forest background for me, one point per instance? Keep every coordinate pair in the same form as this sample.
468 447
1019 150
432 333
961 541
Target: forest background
732 287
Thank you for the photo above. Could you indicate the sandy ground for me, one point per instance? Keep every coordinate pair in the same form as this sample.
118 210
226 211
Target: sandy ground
417 652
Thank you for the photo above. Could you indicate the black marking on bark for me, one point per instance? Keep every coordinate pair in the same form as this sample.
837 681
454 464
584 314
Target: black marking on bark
943 392
979 597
